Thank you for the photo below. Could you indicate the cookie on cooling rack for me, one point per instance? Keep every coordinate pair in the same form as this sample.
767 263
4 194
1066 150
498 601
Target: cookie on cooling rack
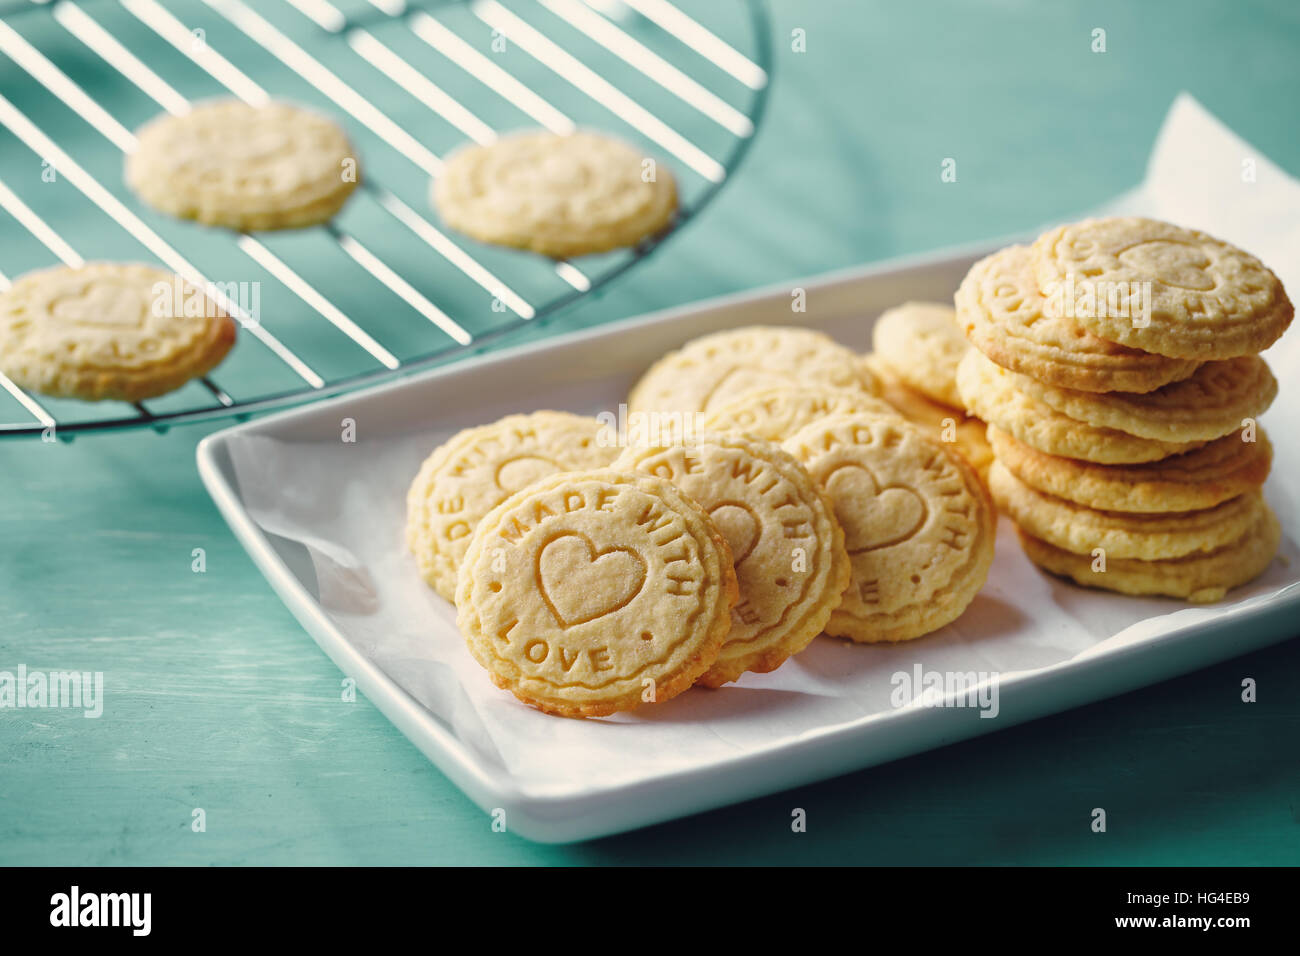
108 331
561 196
227 163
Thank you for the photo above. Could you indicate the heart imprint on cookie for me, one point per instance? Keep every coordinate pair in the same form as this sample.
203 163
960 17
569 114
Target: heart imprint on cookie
580 583
739 525
873 517
1170 263
102 303
742 379
522 471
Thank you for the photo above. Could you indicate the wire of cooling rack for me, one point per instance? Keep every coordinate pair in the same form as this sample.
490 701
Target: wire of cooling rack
601 23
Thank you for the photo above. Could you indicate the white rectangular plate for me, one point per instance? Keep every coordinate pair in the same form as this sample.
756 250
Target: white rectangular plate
323 519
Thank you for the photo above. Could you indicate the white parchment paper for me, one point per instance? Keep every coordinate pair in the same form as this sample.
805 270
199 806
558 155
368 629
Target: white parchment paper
348 510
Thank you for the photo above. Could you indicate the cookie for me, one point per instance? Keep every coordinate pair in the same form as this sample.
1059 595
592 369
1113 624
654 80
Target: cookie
786 545
561 196
1200 578
1214 401
1149 537
1192 481
953 426
592 592
774 414
989 393
918 524
226 163
478 468
1005 316
707 373
1195 297
920 343
108 331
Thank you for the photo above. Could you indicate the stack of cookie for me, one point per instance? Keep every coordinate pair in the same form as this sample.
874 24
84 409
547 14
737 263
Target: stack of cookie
759 493
1116 364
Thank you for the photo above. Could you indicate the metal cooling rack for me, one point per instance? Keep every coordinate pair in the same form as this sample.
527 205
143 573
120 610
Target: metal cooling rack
573 63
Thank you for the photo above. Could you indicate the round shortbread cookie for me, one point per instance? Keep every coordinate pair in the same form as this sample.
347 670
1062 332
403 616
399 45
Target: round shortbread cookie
952 426
787 547
1006 317
1149 537
707 373
989 393
1217 398
478 468
561 196
1192 481
593 592
1200 298
918 524
920 344
1199 578
774 414
108 331
226 163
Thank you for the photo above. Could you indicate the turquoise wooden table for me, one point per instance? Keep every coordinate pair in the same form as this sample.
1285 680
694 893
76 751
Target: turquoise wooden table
215 699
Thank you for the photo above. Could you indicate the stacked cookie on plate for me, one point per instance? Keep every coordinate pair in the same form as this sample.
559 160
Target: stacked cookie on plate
754 493
917 523
1116 363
